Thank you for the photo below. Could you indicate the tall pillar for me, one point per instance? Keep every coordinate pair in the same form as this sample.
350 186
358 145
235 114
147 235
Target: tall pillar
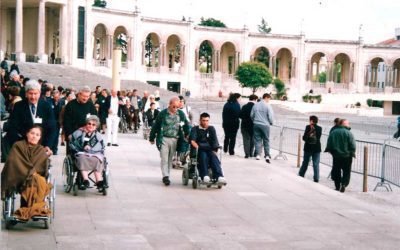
130 50
143 53
273 66
182 55
196 59
41 33
396 77
110 46
20 55
270 62
116 69
310 71
63 36
293 69
366 75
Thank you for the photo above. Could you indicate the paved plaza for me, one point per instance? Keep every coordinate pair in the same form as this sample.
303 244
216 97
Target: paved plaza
262 207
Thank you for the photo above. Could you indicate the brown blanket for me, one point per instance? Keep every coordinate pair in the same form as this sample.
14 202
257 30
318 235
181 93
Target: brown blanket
22 162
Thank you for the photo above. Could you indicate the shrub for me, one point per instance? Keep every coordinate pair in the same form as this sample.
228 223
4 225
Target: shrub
305 98
369 102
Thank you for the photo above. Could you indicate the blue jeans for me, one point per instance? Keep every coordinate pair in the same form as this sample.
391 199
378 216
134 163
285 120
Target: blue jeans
209 158
261 136
306 160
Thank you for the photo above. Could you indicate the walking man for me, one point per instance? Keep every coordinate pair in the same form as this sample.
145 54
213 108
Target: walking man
247 127
263 117
342 146
312 147
170 130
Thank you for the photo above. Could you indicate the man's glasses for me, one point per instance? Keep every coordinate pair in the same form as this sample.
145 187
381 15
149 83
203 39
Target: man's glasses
92 124
175 107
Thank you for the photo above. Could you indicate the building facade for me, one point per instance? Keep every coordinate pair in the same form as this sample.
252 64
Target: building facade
180 55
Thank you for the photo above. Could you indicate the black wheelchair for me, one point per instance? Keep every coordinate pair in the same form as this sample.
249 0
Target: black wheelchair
72 178
9 206
191 172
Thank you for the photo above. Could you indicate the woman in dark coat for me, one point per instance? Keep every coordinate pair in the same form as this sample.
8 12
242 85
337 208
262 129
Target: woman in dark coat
230 122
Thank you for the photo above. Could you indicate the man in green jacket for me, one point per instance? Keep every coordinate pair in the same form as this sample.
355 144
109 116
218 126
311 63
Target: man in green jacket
342 146
169 131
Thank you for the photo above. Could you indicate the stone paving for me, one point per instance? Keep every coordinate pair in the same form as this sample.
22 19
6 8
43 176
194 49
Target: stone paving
262 207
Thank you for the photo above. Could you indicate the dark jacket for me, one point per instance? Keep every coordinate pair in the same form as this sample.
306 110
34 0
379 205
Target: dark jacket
14 67
312 139
75 115
230 115
151 118
247 122
206 138
341 143
57 109
20 122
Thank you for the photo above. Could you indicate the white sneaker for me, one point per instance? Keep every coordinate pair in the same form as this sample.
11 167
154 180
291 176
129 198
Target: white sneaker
268 159
257 157
206 179
221 180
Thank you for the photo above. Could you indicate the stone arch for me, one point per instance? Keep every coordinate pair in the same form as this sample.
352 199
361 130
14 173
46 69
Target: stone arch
283 66
263 55
151 50
341 69
318 64
100 43
121 39
229 58
395 74
205 59
174 52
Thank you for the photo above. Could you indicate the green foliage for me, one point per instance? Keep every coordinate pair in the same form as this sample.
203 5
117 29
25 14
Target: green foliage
322 77
280 88
374 103
263 56
312 98
369 102
205 52
263 27
100 3
253 75
211 22
148 49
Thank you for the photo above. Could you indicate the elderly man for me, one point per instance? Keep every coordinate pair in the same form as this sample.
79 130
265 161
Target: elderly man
170 128
113 105
32 111
77 110
14 79
342 146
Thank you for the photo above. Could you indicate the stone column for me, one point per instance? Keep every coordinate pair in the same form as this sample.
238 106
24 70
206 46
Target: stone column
395 78
130 50
182 55
116 69
110 46
64 34
270 62
20 55
366 73
143 53
196 59
41 33
273 64
293 69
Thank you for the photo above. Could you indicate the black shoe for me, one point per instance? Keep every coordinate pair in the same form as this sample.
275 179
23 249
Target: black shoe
246 156
166 180
86 183
342 188
108 144
62 143
231 153
316 181
115 145
100 186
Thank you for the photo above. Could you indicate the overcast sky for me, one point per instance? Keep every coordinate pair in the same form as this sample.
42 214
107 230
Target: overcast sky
324 19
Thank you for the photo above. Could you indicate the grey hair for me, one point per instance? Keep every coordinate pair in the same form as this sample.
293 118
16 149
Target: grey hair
13 73
93 118
85 89
32 85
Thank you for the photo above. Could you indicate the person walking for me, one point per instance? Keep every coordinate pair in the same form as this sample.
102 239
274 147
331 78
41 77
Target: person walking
312 147
230 122
113 105
168 132
342 146
247 127
262 115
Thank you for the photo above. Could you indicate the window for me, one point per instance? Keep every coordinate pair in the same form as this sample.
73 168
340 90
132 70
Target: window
81 32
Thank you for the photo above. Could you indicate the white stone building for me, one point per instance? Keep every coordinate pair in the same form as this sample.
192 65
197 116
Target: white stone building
169 53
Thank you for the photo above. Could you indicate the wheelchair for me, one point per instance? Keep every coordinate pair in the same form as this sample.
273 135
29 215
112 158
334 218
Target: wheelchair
146 130
72 178
191 172
123 125
9 206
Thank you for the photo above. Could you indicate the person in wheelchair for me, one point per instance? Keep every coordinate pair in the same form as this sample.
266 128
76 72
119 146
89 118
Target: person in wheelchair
204 139
25 171
87 145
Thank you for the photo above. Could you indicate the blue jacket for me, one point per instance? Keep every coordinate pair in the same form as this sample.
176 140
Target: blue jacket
230 115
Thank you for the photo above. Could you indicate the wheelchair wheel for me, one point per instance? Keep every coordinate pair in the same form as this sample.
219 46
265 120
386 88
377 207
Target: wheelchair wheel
67 174
46 224
75 189
195 180
185 176
52 201
104 191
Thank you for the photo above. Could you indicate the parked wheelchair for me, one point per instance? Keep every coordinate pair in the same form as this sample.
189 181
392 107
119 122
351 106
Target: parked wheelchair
9 206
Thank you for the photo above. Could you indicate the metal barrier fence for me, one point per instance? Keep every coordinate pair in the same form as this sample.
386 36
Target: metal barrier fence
383 159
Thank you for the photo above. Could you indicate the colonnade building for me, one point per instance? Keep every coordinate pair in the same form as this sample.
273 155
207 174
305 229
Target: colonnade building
181 55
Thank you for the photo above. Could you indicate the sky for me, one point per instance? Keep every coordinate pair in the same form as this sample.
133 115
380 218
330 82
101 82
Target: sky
319 19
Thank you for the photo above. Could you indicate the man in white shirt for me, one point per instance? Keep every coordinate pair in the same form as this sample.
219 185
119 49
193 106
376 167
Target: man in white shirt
113 103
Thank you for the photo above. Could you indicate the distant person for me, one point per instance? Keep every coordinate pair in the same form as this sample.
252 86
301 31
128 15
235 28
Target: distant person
15 67
151 114
342 146
262 115
247 127
312 147
230 122
53 57
4 65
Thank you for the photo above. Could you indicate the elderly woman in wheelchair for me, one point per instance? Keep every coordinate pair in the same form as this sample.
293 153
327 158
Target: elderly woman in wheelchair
87 146
26 171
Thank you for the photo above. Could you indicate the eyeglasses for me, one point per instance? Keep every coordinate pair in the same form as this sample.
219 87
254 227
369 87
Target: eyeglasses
175 107
92 124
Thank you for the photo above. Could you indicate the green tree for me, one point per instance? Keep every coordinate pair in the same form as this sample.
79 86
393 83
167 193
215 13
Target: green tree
211 22
280 88
263 56
263 27
322 77
148 49
253 75
205 53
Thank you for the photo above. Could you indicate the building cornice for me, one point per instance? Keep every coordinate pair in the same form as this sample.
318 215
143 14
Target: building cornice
275 36
219 29
114 11
331 41
380 46
165 21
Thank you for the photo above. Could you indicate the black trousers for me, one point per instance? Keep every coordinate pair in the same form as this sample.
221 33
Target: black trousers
230 140
341 171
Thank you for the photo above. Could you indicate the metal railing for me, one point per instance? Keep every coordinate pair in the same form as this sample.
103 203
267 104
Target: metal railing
153 69
383 160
